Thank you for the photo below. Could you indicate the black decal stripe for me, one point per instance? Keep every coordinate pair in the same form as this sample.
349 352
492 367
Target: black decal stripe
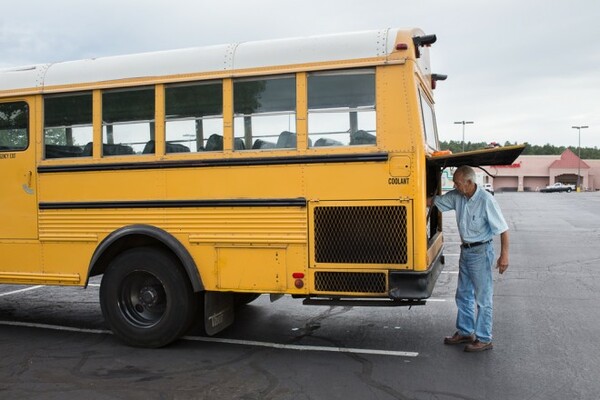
296 202
231 162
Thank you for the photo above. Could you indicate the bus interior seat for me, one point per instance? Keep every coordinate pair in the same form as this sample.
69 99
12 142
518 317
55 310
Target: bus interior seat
108 150
286 140
177 148
263 144
362 137
238 144
88 149
62 151
116 149
324 142
149 148
214 143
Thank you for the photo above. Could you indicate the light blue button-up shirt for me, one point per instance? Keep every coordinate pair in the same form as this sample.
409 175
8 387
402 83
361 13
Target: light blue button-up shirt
479 218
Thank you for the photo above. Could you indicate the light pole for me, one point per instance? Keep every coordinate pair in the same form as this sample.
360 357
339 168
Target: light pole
579 128
463 123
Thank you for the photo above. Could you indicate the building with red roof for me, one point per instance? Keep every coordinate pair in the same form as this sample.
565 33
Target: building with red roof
530 173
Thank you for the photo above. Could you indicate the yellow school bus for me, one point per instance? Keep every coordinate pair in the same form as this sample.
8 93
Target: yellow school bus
195 180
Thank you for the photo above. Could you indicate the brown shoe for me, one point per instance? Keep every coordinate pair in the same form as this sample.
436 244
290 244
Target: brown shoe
457 338
478 346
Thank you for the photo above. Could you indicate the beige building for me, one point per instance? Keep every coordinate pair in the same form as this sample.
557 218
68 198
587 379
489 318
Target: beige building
530 173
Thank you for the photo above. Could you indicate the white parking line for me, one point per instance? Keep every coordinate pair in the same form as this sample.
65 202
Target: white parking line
303 348
226 341
21 290
449 272
55 327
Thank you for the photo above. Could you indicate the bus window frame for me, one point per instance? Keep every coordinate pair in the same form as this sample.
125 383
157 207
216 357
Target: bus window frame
28 128
104 125
342 110
82 125
291 114
424 97
221 116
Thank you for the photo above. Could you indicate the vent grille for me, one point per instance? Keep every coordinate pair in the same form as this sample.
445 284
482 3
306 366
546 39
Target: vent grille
350 282
360 235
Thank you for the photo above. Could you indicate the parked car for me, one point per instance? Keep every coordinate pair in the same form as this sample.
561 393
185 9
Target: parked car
558 187
489 188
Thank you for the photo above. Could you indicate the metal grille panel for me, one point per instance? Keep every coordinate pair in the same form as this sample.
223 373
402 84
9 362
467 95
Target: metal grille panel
360 235
350 282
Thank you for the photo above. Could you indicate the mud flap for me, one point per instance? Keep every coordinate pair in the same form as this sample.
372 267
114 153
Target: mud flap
218 311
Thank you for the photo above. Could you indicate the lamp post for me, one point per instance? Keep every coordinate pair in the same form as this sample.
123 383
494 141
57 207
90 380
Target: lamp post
463 123
579 128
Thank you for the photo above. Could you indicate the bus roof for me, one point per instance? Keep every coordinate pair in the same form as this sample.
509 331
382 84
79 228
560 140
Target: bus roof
219 59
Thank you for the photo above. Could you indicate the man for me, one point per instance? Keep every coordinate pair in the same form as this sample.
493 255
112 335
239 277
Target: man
479 219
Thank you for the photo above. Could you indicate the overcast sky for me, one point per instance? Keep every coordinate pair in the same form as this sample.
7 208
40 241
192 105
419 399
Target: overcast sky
521 70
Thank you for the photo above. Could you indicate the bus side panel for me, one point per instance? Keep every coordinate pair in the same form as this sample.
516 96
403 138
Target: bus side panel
249 249
20 261
266 245
67 262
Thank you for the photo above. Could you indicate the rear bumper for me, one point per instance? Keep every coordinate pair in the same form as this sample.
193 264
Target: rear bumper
408 285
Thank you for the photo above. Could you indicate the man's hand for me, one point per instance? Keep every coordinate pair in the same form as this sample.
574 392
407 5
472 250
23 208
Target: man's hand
502 263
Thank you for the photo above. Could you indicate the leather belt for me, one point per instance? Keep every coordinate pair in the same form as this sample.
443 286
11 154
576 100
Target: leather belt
469 245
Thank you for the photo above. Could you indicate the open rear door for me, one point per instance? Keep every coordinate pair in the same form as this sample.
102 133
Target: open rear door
495 156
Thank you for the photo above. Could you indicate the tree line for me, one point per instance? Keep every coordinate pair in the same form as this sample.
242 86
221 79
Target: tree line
587 153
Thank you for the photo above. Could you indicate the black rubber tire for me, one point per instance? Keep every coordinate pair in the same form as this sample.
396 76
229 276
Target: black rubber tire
146 297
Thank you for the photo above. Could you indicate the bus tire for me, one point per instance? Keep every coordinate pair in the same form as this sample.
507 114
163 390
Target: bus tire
146 297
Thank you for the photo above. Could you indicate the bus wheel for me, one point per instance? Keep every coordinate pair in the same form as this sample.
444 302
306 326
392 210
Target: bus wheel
146 298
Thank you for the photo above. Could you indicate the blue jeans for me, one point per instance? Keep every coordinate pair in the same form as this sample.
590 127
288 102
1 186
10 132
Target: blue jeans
474 293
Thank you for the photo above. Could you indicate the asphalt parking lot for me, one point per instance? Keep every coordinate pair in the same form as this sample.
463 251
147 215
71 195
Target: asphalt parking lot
55 345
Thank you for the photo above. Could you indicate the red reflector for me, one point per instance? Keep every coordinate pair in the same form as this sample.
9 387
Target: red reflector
401 46
298 275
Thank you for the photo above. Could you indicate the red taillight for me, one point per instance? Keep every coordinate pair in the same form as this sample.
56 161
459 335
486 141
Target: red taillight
298 276
401 46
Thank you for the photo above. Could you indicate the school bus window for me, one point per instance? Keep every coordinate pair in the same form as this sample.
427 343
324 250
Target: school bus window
341 108
265 113
14 126
194 117
67 125
428 123
127 121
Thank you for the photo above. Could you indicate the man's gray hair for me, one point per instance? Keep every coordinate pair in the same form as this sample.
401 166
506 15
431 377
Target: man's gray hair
466 173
